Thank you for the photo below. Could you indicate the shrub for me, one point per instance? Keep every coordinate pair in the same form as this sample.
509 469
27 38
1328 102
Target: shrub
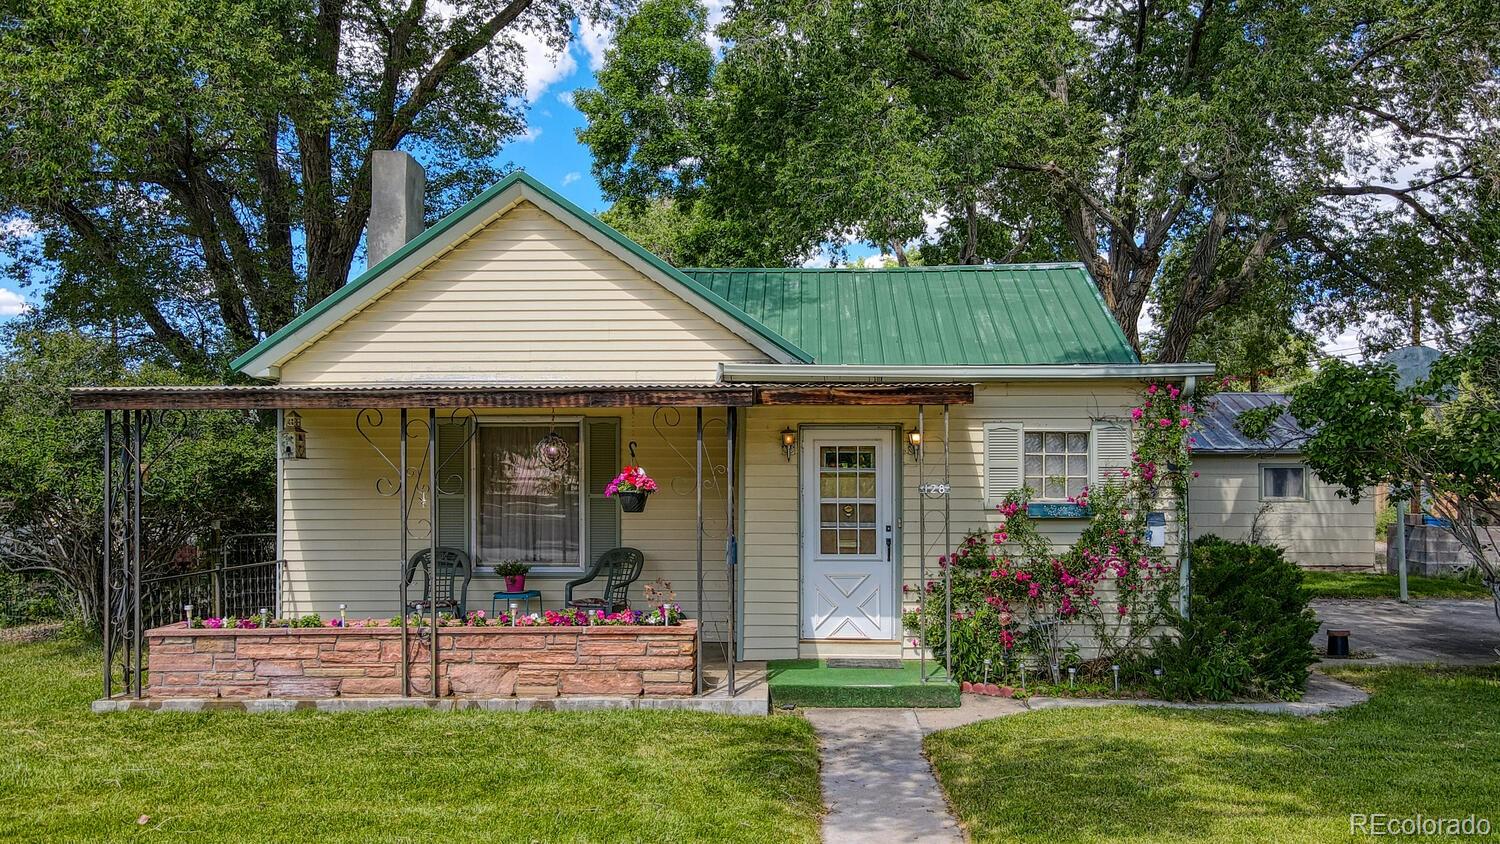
27 600
1248 632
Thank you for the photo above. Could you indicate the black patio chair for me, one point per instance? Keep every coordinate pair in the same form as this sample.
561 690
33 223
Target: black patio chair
620 568
453 564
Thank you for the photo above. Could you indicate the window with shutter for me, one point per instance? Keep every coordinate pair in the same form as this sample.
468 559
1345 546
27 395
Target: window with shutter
453 485
1002 460
1111 445
602 454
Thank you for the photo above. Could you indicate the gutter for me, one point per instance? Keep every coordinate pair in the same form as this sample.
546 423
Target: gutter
776 373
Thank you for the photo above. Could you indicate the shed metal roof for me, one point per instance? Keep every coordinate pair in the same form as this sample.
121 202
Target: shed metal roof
961 315
1217 433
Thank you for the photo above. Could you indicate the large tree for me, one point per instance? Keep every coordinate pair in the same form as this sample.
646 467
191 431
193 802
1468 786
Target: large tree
196 172
1128 132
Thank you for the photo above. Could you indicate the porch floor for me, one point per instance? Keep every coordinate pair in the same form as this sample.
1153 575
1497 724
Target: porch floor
812 683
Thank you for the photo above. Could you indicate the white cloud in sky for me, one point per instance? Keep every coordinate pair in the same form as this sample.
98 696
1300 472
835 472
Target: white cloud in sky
545 66
566 98
595 38
530 135
11 303
21 227
571 177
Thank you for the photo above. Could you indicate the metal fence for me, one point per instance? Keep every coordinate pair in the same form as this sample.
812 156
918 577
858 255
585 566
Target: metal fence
245 579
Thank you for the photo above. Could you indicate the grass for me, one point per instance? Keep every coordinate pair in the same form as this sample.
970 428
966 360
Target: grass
1335 584
1424 743
811 683
68 774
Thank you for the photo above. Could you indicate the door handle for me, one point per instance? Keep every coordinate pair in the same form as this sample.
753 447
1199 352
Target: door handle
888 557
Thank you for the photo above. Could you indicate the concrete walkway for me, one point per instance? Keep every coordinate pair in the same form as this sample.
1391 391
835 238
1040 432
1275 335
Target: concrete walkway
878 786
1386 632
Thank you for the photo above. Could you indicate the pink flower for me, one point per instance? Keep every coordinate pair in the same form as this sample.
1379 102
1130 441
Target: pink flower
1136 413
1151 390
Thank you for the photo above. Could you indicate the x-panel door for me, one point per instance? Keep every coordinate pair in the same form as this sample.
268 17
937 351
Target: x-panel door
848 570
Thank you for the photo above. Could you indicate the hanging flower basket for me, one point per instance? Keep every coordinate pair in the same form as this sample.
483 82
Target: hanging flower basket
631 486
633 502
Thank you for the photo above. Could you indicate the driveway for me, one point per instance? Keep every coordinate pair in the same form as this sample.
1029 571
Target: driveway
1390 632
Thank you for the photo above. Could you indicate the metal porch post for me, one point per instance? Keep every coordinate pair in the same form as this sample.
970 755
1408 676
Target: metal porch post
947 551
109 541
135 555
732 551
432 562
921 544
698 494
401 495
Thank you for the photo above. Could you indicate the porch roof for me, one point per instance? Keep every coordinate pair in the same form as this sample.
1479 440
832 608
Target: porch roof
511 395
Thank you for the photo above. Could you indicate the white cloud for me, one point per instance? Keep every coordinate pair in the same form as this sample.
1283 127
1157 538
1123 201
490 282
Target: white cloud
595 38
530 135
545 66
19 227
566 98
571 177
11 303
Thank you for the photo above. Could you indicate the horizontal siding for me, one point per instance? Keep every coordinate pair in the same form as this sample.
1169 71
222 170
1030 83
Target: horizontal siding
1324 531
771 532
526 298
341 538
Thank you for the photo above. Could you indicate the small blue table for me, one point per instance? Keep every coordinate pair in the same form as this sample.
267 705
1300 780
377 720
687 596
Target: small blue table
524 597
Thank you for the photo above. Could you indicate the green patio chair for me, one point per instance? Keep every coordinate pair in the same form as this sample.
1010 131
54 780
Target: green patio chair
620 568
452 597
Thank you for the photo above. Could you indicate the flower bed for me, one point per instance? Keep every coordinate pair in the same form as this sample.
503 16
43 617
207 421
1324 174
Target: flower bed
363 659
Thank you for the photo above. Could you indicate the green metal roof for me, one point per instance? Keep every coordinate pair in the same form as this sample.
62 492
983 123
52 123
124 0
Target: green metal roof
960 316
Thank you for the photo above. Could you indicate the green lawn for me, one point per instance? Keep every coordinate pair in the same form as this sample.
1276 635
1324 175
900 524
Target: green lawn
1331 584
1425 743
67 774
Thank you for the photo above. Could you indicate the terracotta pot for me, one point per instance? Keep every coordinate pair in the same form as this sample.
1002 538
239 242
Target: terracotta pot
632 502
515 583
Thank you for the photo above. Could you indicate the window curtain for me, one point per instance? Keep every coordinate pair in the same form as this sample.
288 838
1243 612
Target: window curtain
527 510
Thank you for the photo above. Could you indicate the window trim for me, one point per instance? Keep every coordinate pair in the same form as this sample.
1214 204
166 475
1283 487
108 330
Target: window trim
578 422
1260 472
1088 453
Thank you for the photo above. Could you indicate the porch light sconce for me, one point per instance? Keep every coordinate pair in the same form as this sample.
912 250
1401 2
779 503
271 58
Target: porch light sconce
914 443
291 442
788 443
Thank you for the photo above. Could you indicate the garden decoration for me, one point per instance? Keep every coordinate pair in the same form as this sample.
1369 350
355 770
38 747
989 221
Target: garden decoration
631 487
514 572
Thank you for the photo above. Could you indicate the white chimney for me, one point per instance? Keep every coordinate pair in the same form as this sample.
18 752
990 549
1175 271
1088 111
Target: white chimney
398 185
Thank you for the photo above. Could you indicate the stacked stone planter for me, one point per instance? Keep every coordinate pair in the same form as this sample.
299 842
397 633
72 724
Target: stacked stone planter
477 662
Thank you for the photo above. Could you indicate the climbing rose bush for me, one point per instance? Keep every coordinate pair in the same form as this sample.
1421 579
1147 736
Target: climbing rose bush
1013 590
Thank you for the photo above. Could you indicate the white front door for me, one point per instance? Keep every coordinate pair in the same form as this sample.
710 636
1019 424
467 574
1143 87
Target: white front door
848 574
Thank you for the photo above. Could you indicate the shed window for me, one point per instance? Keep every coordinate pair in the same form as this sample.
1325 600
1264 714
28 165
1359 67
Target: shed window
529 509
1056 463
1280 483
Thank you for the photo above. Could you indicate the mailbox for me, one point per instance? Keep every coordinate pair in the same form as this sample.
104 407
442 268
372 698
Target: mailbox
1156 530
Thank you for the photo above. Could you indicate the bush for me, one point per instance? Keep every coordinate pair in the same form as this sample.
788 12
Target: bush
27 600
1248 632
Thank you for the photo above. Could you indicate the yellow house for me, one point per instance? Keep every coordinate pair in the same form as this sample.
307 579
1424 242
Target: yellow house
818 437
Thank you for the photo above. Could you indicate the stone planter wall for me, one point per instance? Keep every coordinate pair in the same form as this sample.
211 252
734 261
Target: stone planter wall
487 662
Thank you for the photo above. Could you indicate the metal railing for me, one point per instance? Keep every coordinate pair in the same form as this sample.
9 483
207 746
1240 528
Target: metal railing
245 579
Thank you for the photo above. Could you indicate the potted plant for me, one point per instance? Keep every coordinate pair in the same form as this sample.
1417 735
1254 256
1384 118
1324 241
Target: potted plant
631 486
514 572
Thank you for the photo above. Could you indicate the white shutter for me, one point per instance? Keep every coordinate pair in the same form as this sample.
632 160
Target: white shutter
1110 445
1002 460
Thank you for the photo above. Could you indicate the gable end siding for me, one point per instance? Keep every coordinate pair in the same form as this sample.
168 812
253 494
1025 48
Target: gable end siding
527 299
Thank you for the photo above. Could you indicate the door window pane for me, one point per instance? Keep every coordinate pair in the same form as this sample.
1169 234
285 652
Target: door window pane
847 492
